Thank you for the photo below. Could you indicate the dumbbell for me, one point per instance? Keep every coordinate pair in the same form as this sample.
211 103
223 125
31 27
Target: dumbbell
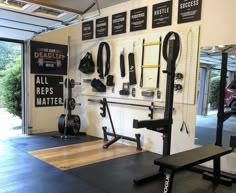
41 62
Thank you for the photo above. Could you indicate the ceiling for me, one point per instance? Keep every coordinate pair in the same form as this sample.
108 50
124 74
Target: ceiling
213 56
21 20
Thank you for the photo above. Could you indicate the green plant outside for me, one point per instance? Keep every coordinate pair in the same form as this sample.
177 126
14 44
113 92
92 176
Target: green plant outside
214 92
11 89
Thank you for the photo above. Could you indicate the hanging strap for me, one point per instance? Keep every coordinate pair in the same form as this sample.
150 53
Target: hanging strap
100 59
165 45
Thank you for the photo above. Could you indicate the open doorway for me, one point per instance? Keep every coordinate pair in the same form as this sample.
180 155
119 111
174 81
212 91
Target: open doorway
208 95
11 89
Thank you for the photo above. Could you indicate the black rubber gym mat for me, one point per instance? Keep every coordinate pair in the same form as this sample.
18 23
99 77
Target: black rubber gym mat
116 176
37 142
22 173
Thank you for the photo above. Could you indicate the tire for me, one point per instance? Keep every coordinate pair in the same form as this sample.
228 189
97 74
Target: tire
233 106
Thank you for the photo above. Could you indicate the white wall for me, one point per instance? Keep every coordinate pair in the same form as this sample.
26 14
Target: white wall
217 27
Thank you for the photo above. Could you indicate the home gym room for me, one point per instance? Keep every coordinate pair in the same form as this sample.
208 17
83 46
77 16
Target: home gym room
110 96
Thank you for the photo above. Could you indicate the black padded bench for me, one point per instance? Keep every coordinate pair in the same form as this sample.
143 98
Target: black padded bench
183 160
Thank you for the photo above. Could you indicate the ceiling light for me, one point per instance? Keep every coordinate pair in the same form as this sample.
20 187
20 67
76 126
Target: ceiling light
14 4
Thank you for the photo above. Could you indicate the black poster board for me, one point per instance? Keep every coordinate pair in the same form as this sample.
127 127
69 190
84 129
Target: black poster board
189 10
87 30
48 90
138 19
47 58
102 27
119 23
162 14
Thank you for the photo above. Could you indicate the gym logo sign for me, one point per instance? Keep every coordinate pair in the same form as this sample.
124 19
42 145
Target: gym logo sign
48 91
47 58
167 181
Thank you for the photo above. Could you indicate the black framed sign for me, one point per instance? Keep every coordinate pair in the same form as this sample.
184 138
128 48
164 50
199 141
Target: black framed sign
48 58
119 23
87 30
162 14
48 91
189 10
138 19
102 27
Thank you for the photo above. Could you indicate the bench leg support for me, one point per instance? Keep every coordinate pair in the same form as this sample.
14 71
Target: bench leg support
218 179
169 177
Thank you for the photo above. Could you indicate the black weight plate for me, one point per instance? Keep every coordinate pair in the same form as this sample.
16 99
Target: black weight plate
61 123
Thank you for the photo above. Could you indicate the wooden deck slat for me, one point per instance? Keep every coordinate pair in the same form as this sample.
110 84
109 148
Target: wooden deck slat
76 155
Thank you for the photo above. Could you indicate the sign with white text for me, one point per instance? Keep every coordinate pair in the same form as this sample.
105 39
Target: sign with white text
162 14
87 30
189 10
102 27
48 91
119 23
138 19
48 58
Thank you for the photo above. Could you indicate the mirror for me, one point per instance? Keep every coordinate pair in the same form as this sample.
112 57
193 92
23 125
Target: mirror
208 93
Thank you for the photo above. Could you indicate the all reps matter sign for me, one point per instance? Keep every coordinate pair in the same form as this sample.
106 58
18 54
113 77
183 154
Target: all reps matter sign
48 91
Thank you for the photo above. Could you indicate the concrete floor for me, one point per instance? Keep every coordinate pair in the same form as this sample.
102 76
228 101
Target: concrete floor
205 132
10 125
22 173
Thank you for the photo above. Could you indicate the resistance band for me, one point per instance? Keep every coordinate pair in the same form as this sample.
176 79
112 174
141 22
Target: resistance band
100 59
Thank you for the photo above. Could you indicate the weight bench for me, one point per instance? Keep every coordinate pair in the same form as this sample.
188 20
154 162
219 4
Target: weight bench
173 163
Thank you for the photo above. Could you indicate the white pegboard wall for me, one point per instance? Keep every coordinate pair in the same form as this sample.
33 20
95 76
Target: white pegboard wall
187 64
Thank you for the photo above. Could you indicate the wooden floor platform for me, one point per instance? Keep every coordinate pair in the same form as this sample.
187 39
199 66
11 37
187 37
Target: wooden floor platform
76 155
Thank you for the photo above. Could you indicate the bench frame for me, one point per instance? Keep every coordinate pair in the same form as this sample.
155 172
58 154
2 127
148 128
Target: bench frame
170 168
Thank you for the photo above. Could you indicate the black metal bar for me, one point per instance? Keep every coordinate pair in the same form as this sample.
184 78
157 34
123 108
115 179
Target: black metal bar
155 124
37 16
26 23
11 40
159 65
129 104
169 177
118 137
171 62
137 136
220 114
141 77
19 29
109 143
109 114
105 133
122 137
89 7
